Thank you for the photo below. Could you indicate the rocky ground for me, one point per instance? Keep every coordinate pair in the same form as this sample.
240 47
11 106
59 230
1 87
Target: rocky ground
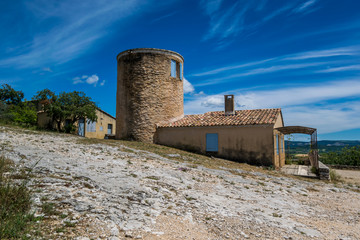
107 190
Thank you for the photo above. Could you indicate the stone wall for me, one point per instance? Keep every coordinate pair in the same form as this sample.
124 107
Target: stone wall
146 93
324 171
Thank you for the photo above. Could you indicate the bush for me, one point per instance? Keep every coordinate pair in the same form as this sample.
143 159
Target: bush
25 114
15 204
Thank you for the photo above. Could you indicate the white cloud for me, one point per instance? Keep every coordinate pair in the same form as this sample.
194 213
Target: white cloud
327 119
91 80
188 87
215 101
300 105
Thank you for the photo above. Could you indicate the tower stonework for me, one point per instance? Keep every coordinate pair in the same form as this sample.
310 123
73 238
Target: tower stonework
149 91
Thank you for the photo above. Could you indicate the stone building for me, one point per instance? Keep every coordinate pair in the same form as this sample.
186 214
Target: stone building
150 109
149 91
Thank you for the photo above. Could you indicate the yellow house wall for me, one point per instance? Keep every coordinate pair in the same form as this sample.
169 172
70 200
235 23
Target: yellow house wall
102 121
279 156
43 121
251 144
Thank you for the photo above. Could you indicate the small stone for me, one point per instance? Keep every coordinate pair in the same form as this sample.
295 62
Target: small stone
114 231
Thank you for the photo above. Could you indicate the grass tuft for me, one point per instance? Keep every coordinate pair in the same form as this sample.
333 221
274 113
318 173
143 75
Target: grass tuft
334 176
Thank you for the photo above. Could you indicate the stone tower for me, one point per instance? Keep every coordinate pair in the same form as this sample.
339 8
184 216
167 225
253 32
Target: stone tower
149 91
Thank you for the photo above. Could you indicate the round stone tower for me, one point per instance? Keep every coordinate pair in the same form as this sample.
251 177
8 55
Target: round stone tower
149 91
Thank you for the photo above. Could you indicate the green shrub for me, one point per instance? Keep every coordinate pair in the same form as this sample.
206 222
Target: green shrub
25 114
347 156
15 202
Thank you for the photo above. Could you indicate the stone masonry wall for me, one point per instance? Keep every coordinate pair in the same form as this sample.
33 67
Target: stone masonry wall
146 93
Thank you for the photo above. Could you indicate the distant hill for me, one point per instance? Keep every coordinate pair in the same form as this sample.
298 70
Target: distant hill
324 146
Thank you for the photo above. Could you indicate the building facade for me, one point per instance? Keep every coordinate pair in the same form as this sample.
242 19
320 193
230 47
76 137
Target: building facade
248 136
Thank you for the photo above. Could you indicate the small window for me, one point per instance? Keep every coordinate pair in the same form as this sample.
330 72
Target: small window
277 144
181 71
101 128
173 68
211 142
90 126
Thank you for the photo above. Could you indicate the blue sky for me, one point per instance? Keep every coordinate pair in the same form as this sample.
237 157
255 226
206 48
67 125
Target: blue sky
300 55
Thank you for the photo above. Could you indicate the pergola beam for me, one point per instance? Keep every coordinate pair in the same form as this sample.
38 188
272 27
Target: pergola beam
296 129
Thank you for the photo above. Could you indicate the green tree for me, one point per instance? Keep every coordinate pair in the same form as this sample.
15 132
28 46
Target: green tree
71 106
45 96
9 96
77 105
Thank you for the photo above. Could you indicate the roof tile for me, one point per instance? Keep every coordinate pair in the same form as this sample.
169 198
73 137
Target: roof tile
241 117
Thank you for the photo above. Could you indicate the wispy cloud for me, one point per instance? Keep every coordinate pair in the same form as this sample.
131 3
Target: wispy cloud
303 60
341 69
342 51
210 6
78 26
259 71
305 5
230 20
163 17
277 12
223 69
227 22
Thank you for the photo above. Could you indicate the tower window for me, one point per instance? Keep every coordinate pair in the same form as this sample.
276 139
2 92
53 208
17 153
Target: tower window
181 71
173 68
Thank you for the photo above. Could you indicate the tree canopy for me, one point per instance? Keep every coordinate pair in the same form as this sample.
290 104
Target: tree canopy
72 106
9 96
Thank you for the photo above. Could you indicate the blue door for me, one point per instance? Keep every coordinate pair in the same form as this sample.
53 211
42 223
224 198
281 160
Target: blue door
109 129
211 142
81 129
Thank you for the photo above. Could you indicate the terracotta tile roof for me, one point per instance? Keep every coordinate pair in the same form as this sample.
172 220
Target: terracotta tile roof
241 117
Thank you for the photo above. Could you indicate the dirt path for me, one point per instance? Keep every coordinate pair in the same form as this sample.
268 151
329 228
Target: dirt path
115 192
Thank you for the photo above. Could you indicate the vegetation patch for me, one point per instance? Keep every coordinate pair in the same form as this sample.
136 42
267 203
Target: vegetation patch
334 176
15 202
